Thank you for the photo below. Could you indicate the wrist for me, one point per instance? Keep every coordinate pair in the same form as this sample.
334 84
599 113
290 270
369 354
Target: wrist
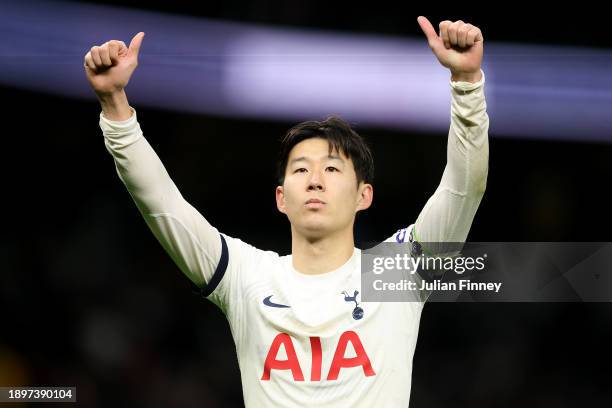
115 105
471 77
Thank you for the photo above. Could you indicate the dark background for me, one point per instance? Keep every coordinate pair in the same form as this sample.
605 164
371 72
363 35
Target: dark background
89 298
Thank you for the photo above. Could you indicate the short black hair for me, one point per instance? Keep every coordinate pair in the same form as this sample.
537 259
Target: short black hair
341 138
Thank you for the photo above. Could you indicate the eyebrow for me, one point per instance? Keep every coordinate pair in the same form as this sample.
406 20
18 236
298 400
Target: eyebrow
329 157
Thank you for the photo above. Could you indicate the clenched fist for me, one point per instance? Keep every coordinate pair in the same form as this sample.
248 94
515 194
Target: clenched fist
109 66
459 47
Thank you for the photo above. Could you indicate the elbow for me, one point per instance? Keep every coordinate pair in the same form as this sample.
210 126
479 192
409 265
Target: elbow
480 172
479 189
478 184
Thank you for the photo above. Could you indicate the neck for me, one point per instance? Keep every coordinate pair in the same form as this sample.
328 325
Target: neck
313 256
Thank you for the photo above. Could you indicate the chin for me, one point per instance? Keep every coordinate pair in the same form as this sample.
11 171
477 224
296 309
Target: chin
314 224
315 228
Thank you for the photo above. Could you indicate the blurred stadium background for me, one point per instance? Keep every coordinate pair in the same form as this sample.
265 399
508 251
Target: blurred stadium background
89 299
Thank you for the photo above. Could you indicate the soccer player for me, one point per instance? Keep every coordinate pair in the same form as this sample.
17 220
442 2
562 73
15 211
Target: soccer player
303 336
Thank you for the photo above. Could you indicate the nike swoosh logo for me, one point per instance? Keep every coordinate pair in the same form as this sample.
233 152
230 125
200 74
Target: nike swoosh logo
268 302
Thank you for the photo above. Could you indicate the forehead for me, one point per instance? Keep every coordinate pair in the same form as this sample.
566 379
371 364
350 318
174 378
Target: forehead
314 148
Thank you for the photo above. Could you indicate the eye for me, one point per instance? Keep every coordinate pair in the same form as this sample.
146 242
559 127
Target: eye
300 170
332 168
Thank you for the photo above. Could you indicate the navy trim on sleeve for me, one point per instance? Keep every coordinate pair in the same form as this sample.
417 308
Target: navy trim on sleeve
219 272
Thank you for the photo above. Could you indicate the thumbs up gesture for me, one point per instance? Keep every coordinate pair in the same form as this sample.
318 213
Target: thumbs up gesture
459 47
109 66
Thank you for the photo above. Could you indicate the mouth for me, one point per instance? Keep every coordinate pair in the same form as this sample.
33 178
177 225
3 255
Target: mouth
314 203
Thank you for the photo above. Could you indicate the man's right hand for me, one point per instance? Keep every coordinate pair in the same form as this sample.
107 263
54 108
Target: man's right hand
109 66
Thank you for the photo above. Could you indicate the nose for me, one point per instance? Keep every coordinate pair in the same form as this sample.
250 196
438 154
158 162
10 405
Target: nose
315 183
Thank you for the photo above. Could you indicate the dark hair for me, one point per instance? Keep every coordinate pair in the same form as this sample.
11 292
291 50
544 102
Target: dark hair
341 138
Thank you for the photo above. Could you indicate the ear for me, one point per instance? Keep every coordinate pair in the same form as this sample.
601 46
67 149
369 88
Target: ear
365 196
280 199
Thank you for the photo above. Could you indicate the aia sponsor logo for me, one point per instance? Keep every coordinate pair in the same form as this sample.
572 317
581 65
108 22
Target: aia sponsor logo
339 361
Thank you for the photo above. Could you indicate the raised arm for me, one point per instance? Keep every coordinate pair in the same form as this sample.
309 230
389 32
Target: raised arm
448 214
193 244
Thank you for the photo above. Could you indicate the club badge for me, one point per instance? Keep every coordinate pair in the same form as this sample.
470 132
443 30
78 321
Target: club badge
357 311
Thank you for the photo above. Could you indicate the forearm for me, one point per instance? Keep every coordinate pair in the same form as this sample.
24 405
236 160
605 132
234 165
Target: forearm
137 164
448 215
468 142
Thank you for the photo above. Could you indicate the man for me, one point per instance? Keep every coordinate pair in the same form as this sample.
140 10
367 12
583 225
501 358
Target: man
302 335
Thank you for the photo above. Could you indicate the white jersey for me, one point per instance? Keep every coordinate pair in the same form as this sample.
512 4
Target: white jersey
308 340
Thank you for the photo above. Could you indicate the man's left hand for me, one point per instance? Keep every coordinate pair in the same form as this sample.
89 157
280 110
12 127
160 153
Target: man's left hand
459 47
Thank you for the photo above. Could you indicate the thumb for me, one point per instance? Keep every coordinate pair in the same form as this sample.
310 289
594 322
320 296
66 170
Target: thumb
136 42
429 31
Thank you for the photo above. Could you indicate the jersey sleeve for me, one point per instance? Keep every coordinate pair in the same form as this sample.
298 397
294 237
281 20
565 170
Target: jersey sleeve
217 264
448 214
406 236
195 246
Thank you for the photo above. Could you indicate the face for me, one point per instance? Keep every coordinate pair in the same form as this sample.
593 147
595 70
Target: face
320 194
